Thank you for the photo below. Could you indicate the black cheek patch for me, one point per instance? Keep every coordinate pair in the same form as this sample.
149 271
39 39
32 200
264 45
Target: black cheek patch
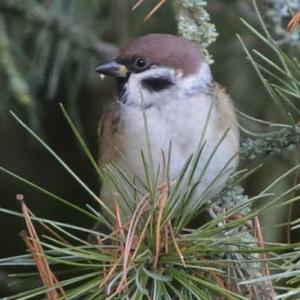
157 84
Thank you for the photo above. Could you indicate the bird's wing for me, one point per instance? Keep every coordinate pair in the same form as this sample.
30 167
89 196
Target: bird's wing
227 116
107 129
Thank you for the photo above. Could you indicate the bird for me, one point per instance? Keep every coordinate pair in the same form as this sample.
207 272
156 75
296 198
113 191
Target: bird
167 79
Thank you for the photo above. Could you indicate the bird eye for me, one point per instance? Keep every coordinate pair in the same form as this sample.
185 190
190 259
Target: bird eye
140 63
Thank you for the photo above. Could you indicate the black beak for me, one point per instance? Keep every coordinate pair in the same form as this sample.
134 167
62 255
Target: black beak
112 68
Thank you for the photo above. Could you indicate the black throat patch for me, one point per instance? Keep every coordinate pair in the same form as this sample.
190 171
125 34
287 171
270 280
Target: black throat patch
157 84
121 86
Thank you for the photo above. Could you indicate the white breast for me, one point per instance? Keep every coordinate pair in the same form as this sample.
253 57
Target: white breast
182 123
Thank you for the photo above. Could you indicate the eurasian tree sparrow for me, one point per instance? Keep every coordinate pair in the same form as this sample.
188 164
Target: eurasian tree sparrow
170 75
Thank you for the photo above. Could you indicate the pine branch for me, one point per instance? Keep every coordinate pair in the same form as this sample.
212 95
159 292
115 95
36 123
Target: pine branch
61 24
274 143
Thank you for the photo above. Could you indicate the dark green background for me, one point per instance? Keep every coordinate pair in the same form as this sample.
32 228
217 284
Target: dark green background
51 44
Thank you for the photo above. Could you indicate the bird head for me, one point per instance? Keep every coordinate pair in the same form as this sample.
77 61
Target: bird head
156 67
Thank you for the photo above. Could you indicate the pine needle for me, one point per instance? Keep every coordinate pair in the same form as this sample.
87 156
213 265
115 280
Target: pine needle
264 264
294 22
153 10
162 200
33 244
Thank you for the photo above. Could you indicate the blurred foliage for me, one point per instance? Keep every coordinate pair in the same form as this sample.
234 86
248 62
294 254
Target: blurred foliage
53 47
278 14
48 51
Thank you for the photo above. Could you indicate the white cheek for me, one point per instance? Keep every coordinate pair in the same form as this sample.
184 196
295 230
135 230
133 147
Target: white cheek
199 80
135 90
185 86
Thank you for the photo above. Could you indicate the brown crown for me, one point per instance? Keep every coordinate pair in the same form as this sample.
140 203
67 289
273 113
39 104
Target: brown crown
165 49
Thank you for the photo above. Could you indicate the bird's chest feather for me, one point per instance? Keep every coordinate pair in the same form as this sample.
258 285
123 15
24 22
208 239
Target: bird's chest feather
178 122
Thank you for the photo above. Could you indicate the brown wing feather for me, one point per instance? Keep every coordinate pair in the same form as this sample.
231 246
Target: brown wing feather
108 125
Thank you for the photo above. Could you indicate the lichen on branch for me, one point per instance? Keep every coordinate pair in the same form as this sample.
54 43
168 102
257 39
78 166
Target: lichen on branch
194 23
286 138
